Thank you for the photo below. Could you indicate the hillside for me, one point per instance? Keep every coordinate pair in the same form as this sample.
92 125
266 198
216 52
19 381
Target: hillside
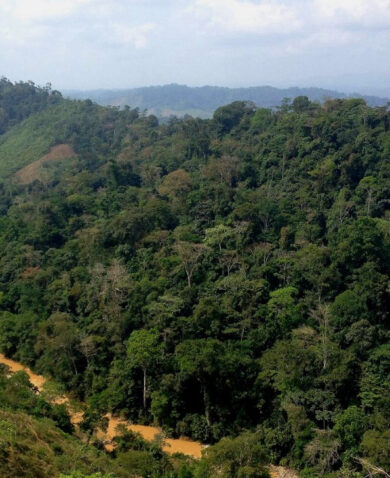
179 100
225 280
20 100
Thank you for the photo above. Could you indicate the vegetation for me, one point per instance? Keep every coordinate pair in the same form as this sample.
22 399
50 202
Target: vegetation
165 101
226 279
36 440
20 100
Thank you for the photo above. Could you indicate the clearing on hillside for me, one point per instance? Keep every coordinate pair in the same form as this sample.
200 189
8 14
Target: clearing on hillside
29 173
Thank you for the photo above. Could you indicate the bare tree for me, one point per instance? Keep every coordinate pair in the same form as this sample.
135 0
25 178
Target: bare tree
190 254
371 470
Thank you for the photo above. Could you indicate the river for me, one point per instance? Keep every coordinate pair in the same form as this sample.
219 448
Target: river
181 445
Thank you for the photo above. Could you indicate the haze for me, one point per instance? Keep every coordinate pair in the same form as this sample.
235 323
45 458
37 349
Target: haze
87 44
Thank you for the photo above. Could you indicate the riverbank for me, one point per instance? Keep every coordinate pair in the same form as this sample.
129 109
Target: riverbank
170 446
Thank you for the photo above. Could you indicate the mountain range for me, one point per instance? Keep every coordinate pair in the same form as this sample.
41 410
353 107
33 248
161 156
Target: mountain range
180 100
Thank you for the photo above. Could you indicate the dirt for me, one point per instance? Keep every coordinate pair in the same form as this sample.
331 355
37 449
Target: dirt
282 472
181 445
32 171
37 380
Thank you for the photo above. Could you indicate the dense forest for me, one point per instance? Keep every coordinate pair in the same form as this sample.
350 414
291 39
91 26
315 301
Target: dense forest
226 279
167 100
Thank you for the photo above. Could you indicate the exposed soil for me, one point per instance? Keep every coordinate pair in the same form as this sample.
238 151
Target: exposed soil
31 172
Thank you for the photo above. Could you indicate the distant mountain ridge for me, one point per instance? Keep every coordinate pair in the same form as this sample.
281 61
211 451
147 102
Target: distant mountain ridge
180 100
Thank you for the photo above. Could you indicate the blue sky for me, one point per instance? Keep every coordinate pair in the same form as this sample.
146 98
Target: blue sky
86 44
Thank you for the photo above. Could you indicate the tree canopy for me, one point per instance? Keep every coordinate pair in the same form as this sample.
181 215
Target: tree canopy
219 278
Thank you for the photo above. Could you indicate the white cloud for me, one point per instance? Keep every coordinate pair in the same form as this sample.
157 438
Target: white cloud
238 16
366 13
194 41
34 23
26 22
318 41
40 10
137 36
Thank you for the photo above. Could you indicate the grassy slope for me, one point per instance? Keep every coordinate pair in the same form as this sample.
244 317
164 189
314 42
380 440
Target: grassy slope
36 448
30 140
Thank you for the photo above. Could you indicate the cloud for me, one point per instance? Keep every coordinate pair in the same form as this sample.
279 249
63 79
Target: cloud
364 13
192 41
40 10
35 23
27 22
312 19
137 36
238 16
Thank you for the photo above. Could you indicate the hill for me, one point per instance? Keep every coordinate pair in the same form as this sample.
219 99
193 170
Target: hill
179 100
20 100
223 279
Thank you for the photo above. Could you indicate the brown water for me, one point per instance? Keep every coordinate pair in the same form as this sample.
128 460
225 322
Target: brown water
181 445
170 445
37 380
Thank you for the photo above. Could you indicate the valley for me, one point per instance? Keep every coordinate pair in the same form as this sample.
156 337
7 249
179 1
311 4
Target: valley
225 279
186 447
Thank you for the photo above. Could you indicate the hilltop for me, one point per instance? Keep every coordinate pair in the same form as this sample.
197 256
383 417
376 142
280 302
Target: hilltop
179 100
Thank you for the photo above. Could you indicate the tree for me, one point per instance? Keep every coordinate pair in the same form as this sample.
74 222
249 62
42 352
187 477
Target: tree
144 351
240 457
283 308
347 310
176 184
321 315
350 426
227 117
218 236
376 447
375 384
261 120
300 104
223 170
368 186
190 254
323 451
58 344
200 359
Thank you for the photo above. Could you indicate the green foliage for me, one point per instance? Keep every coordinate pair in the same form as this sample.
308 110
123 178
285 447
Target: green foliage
206 275
242 457
143 350
376 446
375 386
349 428
31 445
20 100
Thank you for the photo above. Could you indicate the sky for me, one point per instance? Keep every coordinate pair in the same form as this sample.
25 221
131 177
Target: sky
88 44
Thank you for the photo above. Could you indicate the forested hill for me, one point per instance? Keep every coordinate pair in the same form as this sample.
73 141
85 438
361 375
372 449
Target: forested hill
179 100
218 278
20 100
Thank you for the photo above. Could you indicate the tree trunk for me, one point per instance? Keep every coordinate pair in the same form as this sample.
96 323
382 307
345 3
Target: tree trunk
206 401
188 273
144 389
